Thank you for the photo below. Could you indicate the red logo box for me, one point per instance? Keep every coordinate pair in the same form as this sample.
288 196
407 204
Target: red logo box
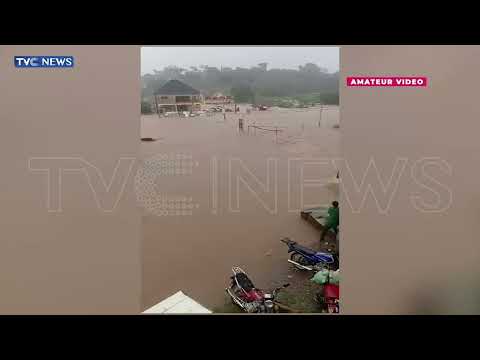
386 81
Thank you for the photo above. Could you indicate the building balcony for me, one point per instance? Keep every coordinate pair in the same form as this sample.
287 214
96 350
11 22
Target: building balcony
179 100
179 103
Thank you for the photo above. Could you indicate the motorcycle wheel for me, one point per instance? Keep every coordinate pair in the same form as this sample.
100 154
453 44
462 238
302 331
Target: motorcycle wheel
321 266
233 300
299 259
235 292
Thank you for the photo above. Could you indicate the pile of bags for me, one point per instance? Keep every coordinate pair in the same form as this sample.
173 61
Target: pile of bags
326 276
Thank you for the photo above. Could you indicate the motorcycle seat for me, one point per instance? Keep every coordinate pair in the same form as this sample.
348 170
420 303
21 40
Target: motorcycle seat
305 250
244 282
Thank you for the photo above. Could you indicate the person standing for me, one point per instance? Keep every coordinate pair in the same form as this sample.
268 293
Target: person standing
332 220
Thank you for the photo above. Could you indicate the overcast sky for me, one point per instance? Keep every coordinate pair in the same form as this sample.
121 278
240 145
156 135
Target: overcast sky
276 57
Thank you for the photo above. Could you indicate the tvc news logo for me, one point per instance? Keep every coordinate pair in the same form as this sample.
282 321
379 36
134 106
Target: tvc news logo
43 61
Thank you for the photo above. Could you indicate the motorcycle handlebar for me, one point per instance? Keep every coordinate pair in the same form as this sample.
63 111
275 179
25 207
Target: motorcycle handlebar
286 240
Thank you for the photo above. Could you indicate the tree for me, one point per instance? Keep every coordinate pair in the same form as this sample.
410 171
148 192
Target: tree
311 68
330 98
173 72
247 84
242 94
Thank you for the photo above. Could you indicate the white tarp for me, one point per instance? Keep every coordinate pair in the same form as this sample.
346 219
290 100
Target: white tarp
178 303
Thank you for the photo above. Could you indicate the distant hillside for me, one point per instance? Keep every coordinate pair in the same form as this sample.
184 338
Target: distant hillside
309 83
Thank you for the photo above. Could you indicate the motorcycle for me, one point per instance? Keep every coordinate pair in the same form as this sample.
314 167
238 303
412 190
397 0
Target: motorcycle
304 258
329 298
250 299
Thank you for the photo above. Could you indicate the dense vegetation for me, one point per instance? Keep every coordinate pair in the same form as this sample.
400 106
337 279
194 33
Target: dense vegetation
284 87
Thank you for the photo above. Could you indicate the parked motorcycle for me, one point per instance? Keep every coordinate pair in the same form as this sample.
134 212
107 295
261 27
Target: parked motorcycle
250 299
329 298
304 258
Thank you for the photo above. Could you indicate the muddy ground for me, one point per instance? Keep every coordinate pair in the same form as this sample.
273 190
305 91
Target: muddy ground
299 296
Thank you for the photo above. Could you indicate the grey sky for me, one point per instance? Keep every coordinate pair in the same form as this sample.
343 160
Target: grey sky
276 57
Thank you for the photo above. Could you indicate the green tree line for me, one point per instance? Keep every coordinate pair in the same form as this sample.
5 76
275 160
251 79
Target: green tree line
253 84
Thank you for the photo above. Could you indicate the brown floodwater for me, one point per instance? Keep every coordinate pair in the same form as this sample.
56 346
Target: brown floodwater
195 223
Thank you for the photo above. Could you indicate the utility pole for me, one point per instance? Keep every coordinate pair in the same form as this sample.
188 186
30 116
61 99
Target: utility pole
156 105
320 121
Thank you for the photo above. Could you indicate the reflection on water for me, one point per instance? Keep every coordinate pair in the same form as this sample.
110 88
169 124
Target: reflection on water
199 220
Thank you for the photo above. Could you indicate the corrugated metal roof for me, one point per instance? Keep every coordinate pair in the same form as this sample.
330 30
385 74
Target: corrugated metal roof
176 87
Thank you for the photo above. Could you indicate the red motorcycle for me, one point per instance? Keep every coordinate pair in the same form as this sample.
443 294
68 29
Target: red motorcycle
329 298
250 299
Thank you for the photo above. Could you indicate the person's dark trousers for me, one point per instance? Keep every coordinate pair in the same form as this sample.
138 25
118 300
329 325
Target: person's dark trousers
325 231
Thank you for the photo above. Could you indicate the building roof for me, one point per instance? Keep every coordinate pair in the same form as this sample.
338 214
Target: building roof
178 303
176 87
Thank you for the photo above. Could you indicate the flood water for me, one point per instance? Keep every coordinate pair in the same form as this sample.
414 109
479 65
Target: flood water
211 199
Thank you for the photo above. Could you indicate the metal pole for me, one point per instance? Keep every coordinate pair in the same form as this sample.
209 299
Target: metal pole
156 105
320 121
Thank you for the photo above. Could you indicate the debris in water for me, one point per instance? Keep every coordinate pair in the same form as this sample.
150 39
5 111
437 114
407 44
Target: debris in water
148 139
269 253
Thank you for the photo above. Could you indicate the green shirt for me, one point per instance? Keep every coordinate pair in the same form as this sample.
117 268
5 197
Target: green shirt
333 217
